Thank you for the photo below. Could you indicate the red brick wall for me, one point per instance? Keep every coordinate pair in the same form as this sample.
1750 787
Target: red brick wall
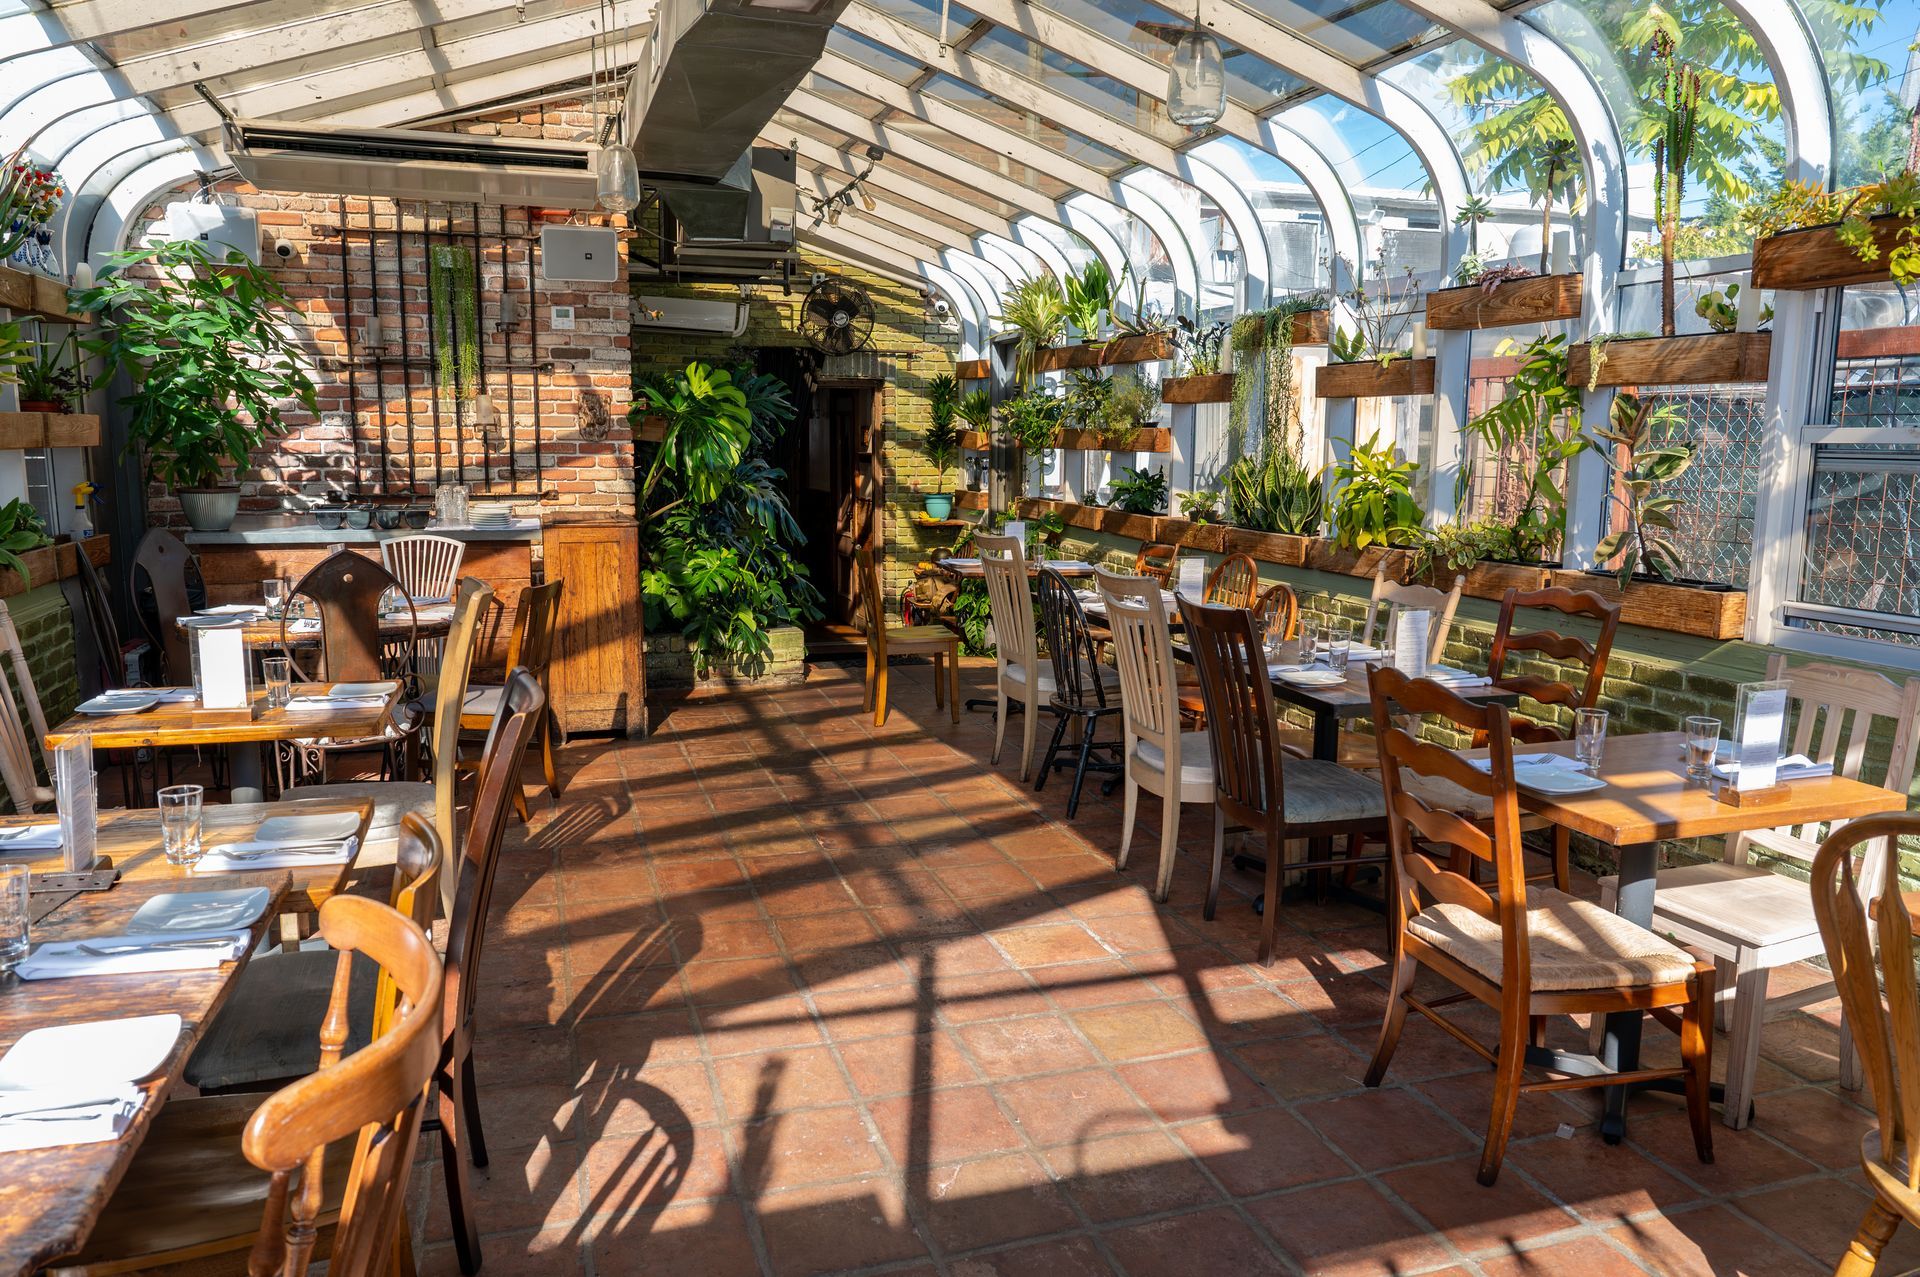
363 429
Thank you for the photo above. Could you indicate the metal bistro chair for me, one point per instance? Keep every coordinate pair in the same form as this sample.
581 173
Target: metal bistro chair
165 561
1080 687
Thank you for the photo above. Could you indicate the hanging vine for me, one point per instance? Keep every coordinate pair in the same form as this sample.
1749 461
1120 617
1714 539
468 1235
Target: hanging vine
1269 377
456 321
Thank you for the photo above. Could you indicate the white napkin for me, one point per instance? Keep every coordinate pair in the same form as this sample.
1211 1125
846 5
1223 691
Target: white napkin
241 856
235 609
129 954
306 625
1447 676
1524 763
30 838
336 702
56 1117
1365 652
1792 767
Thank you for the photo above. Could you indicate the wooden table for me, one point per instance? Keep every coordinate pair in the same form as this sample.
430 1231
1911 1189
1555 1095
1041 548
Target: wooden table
50 1199
263 635
172 723
129 842
971 569
1648 798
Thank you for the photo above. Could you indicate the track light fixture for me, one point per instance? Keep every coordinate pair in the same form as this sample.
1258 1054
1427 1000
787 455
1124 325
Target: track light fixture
827 208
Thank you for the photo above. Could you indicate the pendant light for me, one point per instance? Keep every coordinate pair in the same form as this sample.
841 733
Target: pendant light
1196 78
615 170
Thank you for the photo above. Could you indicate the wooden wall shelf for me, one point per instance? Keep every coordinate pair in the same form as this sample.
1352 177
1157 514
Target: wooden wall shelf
1117 350
37 296
969 500
1699 359
1541 299
1148 440
1683 609
1212 388
973 370
48 430
1814 257
52 563
1310 328
975 440
1367 379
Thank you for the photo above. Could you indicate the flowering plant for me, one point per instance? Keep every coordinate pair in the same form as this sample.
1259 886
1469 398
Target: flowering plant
29 197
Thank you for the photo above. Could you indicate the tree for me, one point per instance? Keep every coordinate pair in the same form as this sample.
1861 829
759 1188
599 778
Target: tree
1474 210
1558 174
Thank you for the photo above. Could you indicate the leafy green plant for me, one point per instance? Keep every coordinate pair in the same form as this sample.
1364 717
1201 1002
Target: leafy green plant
1147 317
211 364
1200 506
1382 313
708 427
973 613
1721 309
1532 433
1640 466
1374 502
1275 492
1085 395
20 531
1473 210
1197 346
1897 195
1091 294
1452 548
1263 362
453 291
1130 405
1140 492
976 409
1468 271
1037 310
19 358
942 442
29 197
1791 205
1677 112
49 371
1556 175
1031 419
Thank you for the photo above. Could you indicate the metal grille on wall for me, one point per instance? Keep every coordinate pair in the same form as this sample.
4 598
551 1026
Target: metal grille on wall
1726 426
442 369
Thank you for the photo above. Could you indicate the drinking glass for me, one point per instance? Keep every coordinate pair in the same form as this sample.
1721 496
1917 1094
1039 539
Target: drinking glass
1309 639
1703 743
278 671
1339 638
13 916
274 590
180 823
1590 738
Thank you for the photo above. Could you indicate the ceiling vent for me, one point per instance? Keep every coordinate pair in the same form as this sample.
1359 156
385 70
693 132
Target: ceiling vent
412 164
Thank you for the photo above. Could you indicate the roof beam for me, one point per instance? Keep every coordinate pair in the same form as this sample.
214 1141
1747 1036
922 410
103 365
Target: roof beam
893 215
884 179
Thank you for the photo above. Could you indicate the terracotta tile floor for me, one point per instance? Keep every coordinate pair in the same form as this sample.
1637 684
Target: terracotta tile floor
777 992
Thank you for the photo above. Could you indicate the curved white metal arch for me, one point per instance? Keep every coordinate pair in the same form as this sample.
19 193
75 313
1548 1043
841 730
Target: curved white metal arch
1011 264
966 307
1040 248
975 272
113 223
1239 213
1090 233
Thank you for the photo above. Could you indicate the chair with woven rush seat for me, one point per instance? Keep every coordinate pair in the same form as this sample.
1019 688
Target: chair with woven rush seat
1157 562
1752 918
1279 800
1884 1027
1175 766
1527 954
529 647
887 641
225 1175
1082 693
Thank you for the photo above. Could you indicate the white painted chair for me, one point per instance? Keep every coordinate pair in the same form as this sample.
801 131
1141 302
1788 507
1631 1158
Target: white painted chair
427 567
16 746
1390 598
1161 759
1751 918
1018 674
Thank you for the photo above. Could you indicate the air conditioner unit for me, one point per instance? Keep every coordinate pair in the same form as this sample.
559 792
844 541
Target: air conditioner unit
690 315
220 227
412 164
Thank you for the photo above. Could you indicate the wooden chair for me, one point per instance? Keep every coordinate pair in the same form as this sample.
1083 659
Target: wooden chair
1235 582
21 740
529 647
427 567
1018 676
188 1196
1081 695
884 642
109 649
1545 691
1174 765
1885 1029
1526 954
1277 610
346 590
165 562
1303 798
1752 918
1390 598
1157 562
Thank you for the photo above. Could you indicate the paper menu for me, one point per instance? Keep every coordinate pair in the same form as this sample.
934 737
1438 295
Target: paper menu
223 666
1193 578
1759 728
1412 628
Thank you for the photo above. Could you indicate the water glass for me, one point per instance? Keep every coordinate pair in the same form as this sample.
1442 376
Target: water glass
274 591
1309 639
1703 744
13 916
180 823
278 671
1339 639
1590 738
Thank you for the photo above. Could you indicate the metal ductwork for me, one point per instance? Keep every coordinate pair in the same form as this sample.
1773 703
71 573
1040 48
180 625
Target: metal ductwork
708 80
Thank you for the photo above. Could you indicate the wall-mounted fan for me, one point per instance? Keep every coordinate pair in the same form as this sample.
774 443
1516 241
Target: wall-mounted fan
837 316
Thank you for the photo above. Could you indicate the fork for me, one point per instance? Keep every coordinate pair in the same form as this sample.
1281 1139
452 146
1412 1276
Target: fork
158 946
297 849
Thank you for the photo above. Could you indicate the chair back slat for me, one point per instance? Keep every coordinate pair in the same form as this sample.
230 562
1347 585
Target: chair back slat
1277 611
1143 653
1009 601
1568 649
1885 1028
1390 598
346 589
17 743
1235 582
376 1095
1240 717
418 865
1076 661
164 560
874 614
425 565
531 645
1157 562
110 649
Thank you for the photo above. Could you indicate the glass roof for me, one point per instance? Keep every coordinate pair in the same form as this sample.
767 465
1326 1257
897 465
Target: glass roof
1149 29
1360 33
1026 124
1079 82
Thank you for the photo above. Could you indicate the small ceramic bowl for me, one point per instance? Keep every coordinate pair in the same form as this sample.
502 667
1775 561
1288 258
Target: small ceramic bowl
388 516
415 516
360 518
330 517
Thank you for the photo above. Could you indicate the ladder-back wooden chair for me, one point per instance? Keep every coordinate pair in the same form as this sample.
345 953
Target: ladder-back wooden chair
21 739
1390 598
887 641
1298 798
1173 765
1158 562
530 647
1234 582
1083 694
1752 918
1018 675
1870 947
225 1174
1527 953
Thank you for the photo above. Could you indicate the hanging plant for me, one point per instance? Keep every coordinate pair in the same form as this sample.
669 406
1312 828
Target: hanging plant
453 291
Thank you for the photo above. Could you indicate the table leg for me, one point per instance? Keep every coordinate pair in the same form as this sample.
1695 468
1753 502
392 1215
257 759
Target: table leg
245 784
1620 1049
1326 737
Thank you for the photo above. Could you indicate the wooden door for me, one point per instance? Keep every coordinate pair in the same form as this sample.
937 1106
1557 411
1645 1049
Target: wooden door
597 681
848 418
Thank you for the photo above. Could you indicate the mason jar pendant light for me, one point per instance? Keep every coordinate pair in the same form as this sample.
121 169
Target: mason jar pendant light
615 170
1197 78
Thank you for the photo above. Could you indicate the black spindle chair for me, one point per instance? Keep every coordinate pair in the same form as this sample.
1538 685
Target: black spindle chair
1084 691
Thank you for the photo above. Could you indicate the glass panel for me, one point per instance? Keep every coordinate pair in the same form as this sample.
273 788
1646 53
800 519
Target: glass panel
1399 219
1079 82
924 15
1726 427
840 95
1361 33
1876 375
1150 29
1865 48
1069 245
873 55
1034 128
1862 524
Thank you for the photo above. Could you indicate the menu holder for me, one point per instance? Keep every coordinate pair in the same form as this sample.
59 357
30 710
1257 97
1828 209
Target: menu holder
76 796
1759 728
226 694
1412 629
1192 583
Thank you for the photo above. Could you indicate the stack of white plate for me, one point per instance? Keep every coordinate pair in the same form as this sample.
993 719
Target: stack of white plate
492 516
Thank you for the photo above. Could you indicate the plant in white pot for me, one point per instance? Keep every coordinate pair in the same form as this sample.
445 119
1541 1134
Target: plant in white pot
211 367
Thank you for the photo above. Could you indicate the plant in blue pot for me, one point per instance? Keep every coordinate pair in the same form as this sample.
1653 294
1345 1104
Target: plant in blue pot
942 442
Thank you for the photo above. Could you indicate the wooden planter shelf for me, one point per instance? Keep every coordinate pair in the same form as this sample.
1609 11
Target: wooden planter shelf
1367 379
1212 388
52 563
27 294
975 440
973 370
1310 328
1118 350
968 500
1149 440
48 430
1541 299
1814 258
1701 359
1682 609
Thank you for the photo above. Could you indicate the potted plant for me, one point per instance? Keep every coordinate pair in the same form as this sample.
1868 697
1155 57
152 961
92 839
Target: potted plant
1275 492
21 531
1129 407
1037 311
1091 294
1031 420
212 368
29 197
942 442
1640 465
1473 211
1375 504
51 380
1140 492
